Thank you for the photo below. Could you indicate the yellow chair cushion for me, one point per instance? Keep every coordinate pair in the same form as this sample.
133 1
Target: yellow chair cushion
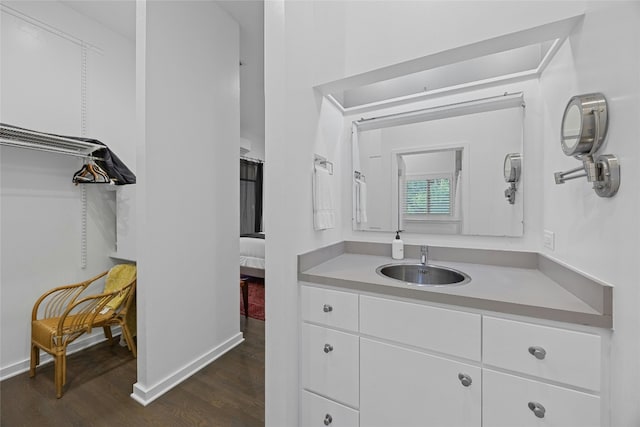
119 276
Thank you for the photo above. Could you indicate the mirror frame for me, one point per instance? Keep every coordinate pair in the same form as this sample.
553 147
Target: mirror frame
593 124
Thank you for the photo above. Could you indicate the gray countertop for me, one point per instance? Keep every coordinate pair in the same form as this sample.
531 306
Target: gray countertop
500 288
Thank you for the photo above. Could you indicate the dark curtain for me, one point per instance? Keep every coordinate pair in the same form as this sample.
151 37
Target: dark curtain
250 196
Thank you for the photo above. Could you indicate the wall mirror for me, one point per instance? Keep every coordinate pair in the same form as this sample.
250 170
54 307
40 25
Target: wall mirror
440 170
583 130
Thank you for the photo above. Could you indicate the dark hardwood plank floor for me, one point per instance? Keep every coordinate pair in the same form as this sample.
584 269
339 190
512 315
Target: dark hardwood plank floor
228 392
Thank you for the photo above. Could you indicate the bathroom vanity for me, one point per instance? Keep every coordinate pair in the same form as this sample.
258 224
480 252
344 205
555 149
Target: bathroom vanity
524 343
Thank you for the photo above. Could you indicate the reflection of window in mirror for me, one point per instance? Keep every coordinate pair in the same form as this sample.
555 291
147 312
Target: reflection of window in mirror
429 190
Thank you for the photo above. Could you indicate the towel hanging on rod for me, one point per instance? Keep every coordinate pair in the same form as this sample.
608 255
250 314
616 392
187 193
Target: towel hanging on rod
361 201
324 214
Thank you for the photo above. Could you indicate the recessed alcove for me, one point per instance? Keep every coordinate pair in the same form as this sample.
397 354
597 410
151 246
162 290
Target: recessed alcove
507 58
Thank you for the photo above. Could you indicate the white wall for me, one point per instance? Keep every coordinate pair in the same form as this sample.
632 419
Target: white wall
298 124
599 236
188 214
438 162
41 208
596 235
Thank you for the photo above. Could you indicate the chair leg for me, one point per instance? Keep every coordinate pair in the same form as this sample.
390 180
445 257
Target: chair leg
129 339
64 368
59 368
107 334
35 360
244 285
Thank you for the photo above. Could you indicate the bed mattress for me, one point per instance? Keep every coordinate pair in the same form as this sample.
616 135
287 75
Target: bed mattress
252 252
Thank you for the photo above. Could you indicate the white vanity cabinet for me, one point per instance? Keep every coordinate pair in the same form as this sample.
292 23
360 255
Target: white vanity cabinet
316 411
402 382
510 400
552 378
330 353
405 388
334 356
375 361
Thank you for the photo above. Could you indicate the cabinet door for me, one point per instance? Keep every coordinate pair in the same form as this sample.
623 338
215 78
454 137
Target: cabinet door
406 388
510 401
316 411
330 364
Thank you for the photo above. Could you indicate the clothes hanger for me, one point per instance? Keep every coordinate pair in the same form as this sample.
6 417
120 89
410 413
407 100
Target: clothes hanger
83 175
90 173
99 175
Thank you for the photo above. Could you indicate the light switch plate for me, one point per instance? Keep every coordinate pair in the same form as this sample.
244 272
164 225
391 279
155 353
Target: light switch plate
549 239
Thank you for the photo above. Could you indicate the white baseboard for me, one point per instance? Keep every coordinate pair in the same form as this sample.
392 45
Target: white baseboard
146 395
18 368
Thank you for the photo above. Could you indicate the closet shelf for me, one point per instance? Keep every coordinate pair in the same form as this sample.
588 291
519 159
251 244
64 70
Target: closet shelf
24 138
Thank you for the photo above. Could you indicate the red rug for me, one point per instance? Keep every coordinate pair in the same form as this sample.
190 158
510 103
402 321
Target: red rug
256 299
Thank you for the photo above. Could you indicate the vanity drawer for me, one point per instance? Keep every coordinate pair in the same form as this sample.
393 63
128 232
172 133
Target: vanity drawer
555 354
316 411
509 401
445 331
328 307
330 364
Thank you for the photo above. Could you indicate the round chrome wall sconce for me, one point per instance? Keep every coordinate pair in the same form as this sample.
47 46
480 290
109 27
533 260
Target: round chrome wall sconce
583 130
512 170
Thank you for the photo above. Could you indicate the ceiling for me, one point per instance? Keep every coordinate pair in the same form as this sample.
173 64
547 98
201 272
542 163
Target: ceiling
119 16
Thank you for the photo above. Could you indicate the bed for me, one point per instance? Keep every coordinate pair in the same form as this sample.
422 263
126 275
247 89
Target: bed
252 255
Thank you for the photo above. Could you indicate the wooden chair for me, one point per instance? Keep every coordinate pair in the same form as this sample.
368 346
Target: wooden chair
244 287
67 314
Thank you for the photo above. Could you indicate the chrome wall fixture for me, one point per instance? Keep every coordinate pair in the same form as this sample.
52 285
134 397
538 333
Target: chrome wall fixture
321 161
583 130
512 170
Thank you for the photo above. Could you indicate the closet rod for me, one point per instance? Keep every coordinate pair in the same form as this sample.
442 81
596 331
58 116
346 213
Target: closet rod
50 150
14 136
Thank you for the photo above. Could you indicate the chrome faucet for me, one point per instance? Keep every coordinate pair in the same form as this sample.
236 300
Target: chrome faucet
424 254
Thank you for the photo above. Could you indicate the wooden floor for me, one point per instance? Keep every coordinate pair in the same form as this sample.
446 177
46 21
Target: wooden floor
229 392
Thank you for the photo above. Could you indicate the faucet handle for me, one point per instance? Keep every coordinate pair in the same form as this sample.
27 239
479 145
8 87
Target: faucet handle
424 249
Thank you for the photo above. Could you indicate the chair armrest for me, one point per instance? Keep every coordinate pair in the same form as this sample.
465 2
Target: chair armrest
59 298
83 312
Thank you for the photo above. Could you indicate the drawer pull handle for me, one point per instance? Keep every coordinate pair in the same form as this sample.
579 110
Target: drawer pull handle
465 379
328 419
328 348
538 352
537 409
327 308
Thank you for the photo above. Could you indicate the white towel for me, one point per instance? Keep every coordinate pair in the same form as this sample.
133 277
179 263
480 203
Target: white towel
324 214
361 202
457 201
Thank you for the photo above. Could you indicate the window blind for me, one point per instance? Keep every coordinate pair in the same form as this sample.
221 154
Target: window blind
426 196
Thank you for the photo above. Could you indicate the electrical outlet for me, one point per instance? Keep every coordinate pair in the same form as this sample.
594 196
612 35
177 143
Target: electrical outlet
549 239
